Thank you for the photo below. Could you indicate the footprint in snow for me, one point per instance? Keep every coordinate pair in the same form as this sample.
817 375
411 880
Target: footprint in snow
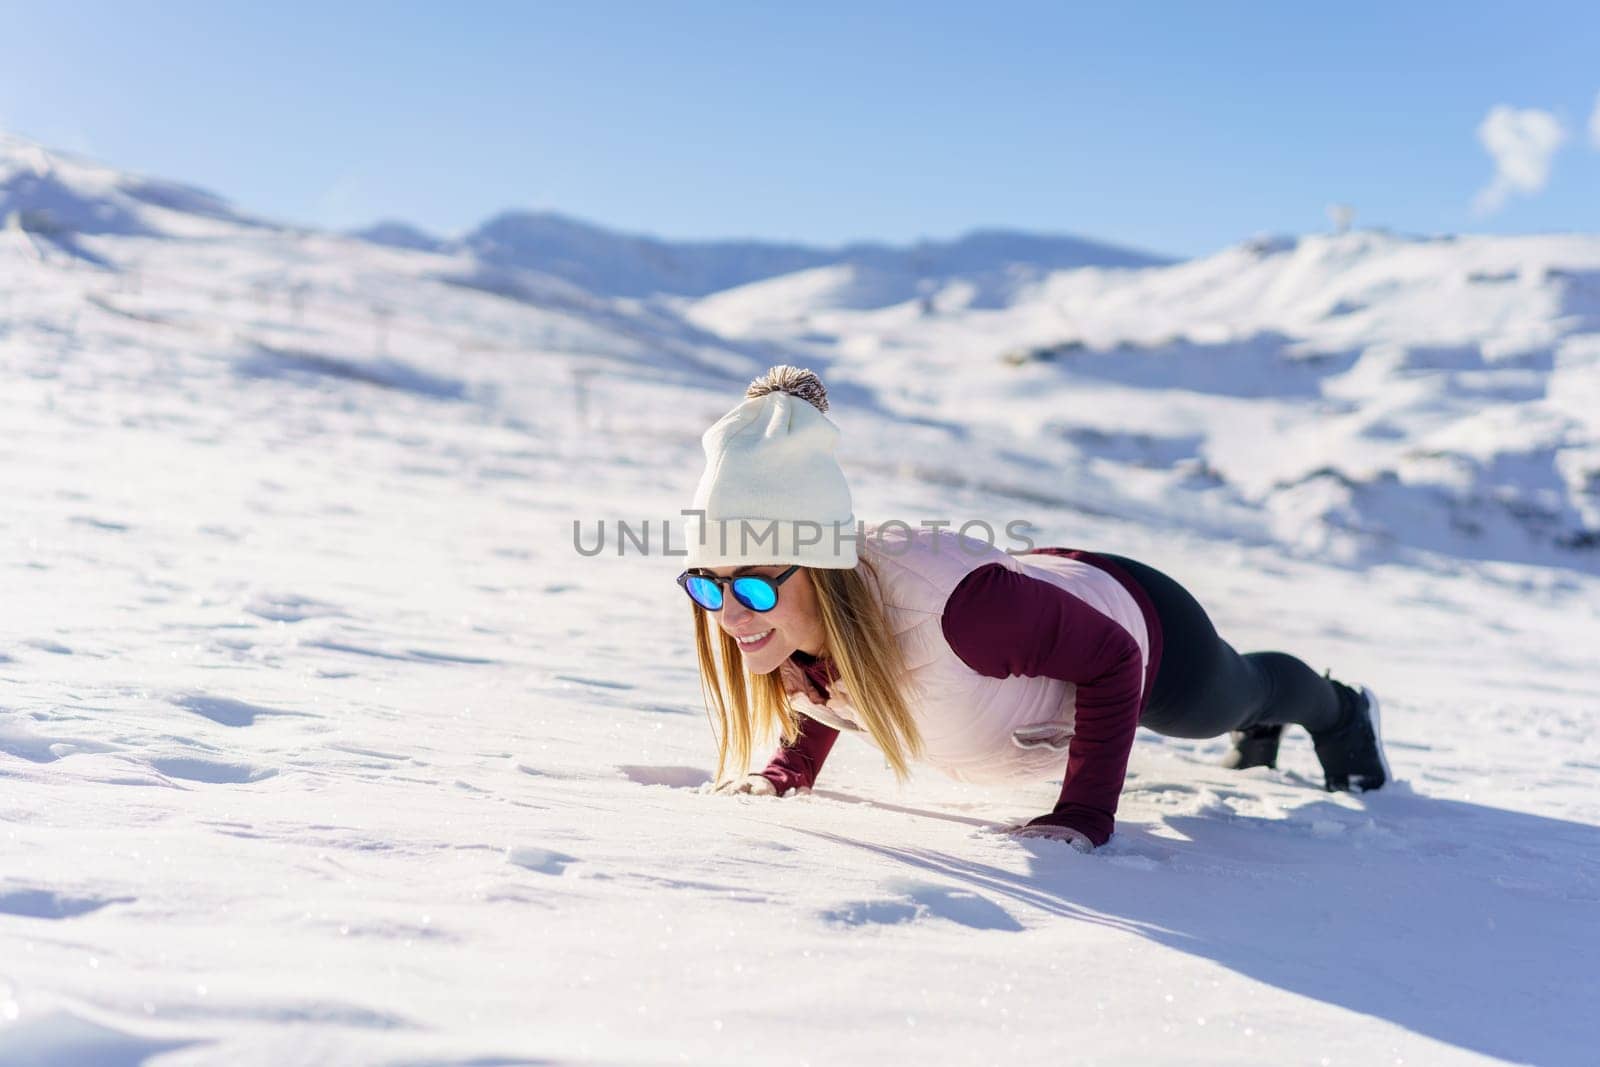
288 607
48 904
910 900
211 772
226 711
675 777
17 740
62 1037
872 913
542 860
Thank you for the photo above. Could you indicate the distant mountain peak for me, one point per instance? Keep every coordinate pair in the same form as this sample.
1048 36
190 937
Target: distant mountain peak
398 234
617 263
56 193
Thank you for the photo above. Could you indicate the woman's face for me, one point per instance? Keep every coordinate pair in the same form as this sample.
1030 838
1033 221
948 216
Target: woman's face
793 624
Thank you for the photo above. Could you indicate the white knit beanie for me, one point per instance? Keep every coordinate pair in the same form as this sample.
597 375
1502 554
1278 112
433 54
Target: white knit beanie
772 491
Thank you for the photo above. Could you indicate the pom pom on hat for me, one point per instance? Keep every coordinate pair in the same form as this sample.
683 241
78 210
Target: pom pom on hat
796 381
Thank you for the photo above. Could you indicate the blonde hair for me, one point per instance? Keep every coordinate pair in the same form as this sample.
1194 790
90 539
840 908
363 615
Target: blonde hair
745 708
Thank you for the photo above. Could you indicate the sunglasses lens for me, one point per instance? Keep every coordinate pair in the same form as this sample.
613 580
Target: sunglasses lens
755 593
707 594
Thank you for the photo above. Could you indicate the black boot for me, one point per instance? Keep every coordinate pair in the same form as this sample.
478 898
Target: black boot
1254 747
1352 752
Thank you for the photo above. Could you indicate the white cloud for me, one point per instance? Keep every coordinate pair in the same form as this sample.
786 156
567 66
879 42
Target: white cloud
1594 123
1522 142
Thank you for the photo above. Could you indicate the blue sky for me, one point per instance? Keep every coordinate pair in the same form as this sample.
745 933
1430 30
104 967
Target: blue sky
1177 128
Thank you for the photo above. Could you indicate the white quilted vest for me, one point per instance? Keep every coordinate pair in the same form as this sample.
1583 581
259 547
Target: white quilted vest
974 728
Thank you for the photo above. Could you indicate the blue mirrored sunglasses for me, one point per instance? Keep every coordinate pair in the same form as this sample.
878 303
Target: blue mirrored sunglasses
755 591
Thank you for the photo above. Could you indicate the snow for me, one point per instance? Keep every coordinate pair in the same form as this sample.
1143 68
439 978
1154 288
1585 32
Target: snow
320 742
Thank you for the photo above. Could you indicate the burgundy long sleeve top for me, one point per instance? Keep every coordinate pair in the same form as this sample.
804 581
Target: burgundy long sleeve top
1002 622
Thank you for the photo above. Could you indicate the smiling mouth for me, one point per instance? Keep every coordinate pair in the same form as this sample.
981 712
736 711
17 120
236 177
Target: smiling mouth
756 641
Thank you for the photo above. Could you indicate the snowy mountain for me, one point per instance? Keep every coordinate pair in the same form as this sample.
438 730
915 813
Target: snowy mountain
1344 396
155 246
617 264
397 234
322 740
51 192
1420 394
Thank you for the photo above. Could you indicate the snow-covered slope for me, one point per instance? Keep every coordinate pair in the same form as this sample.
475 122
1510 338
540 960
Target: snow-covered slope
321 742
1343 395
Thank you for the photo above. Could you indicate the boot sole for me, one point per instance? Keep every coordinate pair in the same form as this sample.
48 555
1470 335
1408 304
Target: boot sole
1376 716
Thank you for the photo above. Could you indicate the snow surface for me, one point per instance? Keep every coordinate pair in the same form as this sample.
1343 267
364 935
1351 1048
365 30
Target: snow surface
320 742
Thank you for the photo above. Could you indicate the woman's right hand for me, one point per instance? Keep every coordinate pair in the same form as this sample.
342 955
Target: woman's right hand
754 784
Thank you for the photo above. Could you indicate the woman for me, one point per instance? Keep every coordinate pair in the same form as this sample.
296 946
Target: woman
946 649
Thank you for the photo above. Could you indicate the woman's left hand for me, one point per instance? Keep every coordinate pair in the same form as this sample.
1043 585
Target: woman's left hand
1076 838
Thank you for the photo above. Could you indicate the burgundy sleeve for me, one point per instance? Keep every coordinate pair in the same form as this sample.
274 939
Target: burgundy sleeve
797 765
1003 622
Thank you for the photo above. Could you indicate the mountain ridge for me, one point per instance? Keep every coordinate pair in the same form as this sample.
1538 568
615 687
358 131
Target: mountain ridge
64 196
620 263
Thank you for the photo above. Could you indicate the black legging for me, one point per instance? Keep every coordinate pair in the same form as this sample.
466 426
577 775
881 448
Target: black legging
1204 688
